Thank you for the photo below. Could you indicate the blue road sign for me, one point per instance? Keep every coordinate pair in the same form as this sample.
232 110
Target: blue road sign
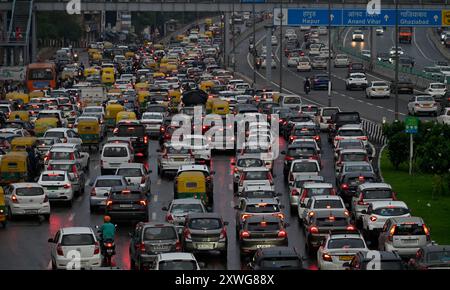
253 1
360 17
319 17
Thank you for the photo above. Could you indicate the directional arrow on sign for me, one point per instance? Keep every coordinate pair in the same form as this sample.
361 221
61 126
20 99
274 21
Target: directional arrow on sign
436 18
386 17
331 17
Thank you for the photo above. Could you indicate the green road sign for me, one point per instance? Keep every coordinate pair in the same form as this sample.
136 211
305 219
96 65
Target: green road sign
412 125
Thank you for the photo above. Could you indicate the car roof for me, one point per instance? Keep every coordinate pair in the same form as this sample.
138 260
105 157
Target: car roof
346 235
76 230
353 150
186 201
309 177
317 185
176 256
325 197
374 185
255 169
104 177
25 184
261 200
204 215
356 163
47 172
57 129
130 165
330 212
278 251
411 219
351 127
386 203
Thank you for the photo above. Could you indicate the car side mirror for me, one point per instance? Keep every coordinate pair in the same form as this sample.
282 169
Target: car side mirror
164 208
50 240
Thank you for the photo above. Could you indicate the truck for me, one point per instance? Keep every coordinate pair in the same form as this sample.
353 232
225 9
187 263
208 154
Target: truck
405 35
92 95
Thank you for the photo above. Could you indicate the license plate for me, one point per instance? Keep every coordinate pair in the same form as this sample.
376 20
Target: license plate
205 247
52 194
125 205
31 211
178 159
263 246
409 241
427 105
160 248
52 187
109 251
345 258
114 164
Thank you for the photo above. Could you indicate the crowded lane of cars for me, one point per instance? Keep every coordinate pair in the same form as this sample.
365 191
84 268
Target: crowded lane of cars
297 189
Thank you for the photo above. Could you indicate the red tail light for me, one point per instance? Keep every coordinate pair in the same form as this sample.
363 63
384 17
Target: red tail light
279 215
313 230
289 158
351 228
143 202
45 199
270 178
72 156
97 249
14 199
93 192
427 232
143 179
364 138
59 250
178 246
317 138
282 234
291 177
187 234
292 138
68 185
169 217
145 139
142 247
326 257
108 245
165 156
245 216
344 186
116 130
245 234
223 234
373 218
391 233
295 192
109 203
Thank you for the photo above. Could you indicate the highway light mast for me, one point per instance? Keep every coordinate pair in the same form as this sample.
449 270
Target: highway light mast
329 52
396 57
254 44
281 47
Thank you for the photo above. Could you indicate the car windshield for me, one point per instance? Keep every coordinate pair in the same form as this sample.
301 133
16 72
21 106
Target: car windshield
130 172
53 177
29 191
358 168
354 157
108 182
250 162
54 134
131 131
350 133
256 175
439 257
151 117
93 110
319 191
292 100
303 132
301 151
160 233
281 263
378 194
409 229
115 152
77 240
258 194
63 167
305 167
425 99
187 208
322 204
178 265
263 226
437 86
329 112
345 244
173 150
262 208
205 224
391 211
126 195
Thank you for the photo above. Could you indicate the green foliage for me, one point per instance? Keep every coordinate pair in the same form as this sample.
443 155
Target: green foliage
439 186
56 25
389 130
398 149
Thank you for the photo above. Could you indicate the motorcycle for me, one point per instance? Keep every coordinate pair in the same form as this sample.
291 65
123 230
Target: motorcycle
107 248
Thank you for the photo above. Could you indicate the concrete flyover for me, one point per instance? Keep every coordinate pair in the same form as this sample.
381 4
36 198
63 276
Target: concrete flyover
216 5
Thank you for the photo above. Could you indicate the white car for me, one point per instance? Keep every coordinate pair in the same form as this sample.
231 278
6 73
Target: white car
325 114
242 163
61 153
66 135
444 118
358 35
365 53
392 51
379 31
319 203
305 28
254 176
378 212
338 249
356 80
323 30
100 188
436 89
314 49
293 61
152 122
422 104
264 64
378 89
304 64
367 193
198 144
73 242
341 60
58 185
346 132
94 109
274 40
176 261
27 199
113 155
304 167
180 208
136 174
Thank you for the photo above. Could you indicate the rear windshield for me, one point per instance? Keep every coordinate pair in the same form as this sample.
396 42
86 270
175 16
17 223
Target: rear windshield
439 257
332 222
77 240
354 157
281 262
53 177
305 167
292 100
187 208
46 142
301 132
205 224
319 191
358 168
126 195
258 194
250 162
262 208
391 211
63 167
54 134
177 265
130 172
108 183
160 233
131 131
256 175
348 118
29 191
345 244
263 226
377 193
329 112
409 230
301 151
351 133
328 204
115 152
354 181
173 150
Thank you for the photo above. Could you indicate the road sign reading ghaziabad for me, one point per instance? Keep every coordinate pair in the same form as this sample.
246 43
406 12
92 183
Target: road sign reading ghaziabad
412 125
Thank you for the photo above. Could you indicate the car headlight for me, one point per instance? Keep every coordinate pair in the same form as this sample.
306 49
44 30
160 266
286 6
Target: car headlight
1 211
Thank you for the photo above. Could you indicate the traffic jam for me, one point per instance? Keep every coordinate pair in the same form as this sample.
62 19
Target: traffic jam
153 156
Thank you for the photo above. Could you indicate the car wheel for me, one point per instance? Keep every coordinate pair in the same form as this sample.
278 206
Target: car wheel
92 208
4 224
10 214
47 217
54 265
132 265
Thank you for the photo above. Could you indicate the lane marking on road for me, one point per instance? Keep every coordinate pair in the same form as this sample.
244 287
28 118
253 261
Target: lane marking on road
71 217
230 186
232 203
155 198
158 182
49 266
418 47
153 216
370 104
380 107
360 101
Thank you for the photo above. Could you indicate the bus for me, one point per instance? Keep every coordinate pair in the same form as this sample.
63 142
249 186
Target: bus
41 76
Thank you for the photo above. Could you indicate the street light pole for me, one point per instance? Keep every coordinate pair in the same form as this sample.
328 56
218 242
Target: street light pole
281 48
396 57
254 44
329 53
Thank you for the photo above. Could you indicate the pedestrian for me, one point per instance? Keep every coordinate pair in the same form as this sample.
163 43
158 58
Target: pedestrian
307 85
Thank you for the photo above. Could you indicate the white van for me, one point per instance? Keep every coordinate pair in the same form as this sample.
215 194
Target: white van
113 155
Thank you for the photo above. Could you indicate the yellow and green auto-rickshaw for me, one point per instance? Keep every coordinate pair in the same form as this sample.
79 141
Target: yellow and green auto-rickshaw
22 143
3 210
206 86
220 107
191 184
125 115
25 98
108 76
143 98
89 131
19 115
15 168
36 94
91 71
141 87
111 113
43 124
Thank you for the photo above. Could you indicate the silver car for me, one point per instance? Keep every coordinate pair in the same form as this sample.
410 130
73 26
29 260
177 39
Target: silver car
319 62
341 60
137 174
404 235
171 158
100 189
180 208
422 104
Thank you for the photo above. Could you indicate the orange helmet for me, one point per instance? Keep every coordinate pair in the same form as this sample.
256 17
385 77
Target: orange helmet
107 218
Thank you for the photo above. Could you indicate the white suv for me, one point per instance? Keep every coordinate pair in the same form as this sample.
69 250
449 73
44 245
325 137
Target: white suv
58 185
113 155
27 199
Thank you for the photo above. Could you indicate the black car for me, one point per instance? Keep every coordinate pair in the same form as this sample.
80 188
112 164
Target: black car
149 240
136 131
348 183
276 258
292 119
340 119
403 85
127 203
387 261
356 67
383 57
264 107
431 257
299 151
305 132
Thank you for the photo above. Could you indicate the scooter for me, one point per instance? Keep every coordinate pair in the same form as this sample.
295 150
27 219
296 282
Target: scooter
107 247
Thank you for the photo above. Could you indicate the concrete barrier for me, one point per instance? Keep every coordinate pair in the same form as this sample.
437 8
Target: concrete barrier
434 37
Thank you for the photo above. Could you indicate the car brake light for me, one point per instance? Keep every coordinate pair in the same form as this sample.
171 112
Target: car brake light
59 250
326 257
317 138
391 233
169 217
292 138
14 199
351 228
143 202
289 158
344 186
45 199
294 192
245 234
187 234
282 234
165 156
373 218
278 215
364 138
313 230
97 248
109 203
291 177
245 216
68 185
426 230
223 234
145 139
